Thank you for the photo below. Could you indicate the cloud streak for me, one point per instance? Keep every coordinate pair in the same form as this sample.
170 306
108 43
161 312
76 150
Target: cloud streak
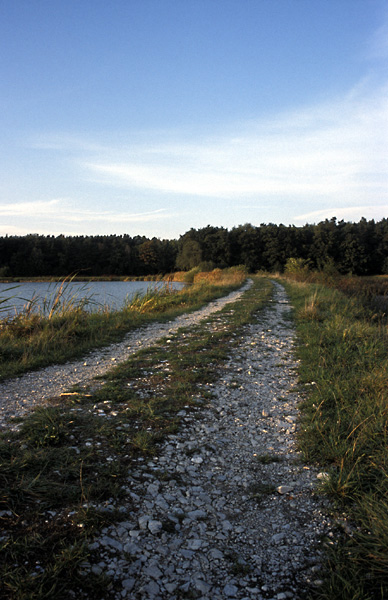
300 166
62 211
332 150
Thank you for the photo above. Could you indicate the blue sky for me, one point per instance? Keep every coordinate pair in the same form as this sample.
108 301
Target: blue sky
150 117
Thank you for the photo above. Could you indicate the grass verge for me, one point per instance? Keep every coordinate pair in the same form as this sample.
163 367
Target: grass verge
344 366
66 330
63 476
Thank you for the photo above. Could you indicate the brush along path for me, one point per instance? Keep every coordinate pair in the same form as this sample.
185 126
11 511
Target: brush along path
21 394
227 509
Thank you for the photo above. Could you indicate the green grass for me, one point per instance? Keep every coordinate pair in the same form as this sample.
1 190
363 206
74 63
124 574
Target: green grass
65 330
344 366
63 476
267 459
258 491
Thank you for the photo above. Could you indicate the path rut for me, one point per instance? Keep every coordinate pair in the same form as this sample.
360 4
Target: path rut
228 509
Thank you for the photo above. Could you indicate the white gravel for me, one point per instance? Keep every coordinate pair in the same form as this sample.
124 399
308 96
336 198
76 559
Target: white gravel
227 509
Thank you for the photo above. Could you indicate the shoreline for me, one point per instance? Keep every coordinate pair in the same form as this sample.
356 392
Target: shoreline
58 279
24 392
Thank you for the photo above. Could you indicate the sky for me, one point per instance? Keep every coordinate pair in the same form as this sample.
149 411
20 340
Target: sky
152 117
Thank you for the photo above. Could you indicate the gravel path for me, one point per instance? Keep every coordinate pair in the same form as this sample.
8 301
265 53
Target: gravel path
227 510
19 395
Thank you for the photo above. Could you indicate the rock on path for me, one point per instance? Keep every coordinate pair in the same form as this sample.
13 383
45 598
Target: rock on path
21 394
235 515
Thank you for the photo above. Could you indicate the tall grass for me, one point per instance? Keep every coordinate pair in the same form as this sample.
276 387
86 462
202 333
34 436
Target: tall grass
5 302
344 428
65 329
372 291
231 276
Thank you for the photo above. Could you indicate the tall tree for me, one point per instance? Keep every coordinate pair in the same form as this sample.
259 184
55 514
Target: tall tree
189 255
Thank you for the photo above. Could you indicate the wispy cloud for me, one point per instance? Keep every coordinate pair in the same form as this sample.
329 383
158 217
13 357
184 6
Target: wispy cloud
337 149
63 211
282 168
30 209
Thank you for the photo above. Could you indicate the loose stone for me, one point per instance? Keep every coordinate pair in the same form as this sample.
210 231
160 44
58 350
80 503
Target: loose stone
235 515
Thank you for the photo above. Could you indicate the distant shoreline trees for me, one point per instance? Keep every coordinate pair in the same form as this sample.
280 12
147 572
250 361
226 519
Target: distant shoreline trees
356 248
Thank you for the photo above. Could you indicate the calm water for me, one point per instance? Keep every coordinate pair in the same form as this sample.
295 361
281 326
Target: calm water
13 297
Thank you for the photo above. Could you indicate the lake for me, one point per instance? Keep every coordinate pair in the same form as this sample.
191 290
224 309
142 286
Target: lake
113 294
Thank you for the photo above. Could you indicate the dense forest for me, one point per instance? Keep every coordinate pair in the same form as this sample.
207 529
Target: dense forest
357 248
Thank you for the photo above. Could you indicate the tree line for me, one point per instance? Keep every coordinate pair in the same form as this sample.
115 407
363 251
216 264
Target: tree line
357 248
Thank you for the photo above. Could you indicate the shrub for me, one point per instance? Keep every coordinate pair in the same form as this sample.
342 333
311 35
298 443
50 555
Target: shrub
298 268
190 275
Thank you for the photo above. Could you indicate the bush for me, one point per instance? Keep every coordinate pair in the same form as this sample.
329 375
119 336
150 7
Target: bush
190 275
297 268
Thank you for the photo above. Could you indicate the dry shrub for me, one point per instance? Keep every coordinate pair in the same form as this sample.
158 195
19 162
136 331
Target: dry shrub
230 276
214 276
179 276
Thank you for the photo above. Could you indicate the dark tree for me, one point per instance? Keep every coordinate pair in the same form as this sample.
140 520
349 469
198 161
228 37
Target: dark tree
358 248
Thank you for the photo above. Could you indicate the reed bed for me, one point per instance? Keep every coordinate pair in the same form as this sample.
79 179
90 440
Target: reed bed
344 366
